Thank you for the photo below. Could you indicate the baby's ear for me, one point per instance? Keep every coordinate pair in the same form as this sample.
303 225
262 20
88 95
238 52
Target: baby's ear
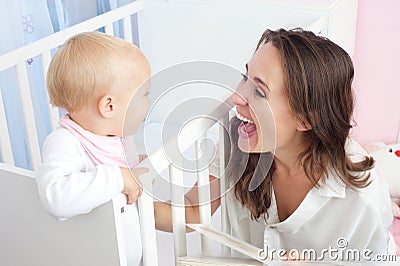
106 106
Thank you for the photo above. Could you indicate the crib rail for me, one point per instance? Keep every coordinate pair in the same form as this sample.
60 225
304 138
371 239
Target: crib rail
17 58
191 133
30 236
36 48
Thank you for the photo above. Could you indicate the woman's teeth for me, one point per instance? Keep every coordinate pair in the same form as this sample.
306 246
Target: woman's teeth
244 119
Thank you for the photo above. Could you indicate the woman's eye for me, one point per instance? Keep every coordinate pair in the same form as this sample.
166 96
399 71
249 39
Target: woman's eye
259 93
244 77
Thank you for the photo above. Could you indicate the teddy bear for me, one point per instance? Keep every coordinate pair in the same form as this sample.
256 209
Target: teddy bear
387 163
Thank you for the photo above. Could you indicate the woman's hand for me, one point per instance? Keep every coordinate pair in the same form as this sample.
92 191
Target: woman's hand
292 255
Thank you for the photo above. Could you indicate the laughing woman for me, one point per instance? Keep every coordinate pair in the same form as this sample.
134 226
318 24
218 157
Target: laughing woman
304 184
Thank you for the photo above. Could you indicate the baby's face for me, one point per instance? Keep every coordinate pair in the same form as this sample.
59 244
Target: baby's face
131 87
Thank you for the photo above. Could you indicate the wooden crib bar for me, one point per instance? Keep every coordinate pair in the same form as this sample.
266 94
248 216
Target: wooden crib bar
27 110
147 222
178 211
204 192
53 111
224 144
43 45
109 29
127 29
5 144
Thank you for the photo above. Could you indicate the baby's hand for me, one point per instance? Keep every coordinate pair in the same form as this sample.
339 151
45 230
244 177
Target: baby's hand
395 210
132 186
142 157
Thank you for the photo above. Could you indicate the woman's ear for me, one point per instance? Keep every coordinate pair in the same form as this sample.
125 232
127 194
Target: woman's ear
303 125
106 106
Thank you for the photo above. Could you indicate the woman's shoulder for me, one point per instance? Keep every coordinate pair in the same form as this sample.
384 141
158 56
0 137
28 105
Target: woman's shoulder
355 150
357 153
376 195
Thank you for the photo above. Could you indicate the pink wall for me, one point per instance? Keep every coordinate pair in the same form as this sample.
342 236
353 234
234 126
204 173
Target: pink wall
377 71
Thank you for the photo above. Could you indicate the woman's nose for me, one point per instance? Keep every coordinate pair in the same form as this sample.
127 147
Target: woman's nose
238 99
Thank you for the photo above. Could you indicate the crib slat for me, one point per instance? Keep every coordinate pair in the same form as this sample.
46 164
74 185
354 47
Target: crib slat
204 193
127 29
118 202
223 150
36 48
147 224
53 111
178 211
109 29
5 144
27 110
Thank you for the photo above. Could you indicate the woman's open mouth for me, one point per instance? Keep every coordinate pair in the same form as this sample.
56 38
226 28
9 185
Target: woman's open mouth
247 128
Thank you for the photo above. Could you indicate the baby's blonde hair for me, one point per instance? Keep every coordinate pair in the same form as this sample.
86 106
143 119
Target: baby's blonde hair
83 69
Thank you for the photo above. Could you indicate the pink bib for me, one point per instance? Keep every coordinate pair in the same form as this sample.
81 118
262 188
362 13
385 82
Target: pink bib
102 149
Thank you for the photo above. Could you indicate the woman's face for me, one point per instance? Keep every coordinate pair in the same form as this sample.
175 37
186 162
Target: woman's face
261 104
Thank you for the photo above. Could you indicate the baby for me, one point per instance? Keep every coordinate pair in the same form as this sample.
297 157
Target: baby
94 77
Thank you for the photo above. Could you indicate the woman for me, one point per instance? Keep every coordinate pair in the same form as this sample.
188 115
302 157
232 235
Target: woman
304 182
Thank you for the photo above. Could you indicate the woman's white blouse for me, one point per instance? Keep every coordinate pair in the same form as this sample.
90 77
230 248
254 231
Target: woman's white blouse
330 217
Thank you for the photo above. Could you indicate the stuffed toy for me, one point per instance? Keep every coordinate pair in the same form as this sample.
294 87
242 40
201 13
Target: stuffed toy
387 162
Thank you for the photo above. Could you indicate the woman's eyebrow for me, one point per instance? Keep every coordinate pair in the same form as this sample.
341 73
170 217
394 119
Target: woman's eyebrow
258 80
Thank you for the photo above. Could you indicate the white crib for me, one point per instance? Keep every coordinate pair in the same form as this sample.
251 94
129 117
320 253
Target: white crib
29 236
155 21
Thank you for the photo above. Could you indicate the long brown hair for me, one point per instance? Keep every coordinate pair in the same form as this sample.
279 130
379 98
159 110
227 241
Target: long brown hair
318 76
